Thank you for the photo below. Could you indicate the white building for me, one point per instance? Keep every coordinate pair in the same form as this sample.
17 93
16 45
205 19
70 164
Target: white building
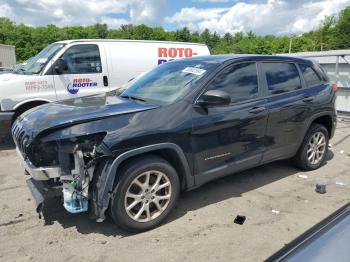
337 65
7 56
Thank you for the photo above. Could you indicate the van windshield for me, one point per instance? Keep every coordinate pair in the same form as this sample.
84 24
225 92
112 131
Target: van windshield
168 82
35 64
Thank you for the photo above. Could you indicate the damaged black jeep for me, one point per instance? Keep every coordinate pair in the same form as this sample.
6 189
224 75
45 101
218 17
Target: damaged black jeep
132 150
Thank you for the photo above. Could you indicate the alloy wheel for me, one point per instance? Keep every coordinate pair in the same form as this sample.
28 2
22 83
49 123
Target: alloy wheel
316 148
147 196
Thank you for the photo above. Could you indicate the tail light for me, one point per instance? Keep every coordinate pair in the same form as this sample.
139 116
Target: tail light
335 87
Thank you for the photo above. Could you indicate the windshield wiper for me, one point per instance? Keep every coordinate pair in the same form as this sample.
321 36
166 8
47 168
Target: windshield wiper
133 98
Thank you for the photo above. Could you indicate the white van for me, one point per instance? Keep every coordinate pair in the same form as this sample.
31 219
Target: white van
74 68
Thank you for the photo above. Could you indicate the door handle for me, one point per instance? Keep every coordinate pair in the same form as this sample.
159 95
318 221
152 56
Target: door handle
257 110
308 99
105 80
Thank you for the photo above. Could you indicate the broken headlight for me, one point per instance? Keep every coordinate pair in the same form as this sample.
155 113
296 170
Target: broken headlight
60 152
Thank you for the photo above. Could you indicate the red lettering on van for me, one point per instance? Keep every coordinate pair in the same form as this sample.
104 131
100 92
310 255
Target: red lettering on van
172 52
162 52
188 52
181 52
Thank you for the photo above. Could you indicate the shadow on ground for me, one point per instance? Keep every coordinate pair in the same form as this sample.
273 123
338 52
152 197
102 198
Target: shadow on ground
216 191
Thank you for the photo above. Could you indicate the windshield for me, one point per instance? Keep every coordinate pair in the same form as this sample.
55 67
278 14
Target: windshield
168 82
35 64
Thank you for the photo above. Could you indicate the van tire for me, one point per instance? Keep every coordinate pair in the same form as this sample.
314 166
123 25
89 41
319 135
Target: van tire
131 176
309 148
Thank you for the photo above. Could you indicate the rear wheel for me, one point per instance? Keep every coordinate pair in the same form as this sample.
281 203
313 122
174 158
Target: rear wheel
313 150
145 195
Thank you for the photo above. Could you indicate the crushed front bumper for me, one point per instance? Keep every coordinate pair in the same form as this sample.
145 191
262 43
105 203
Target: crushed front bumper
39 183
41 190
39 173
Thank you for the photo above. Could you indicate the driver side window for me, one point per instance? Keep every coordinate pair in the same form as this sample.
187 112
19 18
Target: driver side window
240 81
82 59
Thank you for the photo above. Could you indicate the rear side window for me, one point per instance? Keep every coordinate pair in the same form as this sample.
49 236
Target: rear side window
82 59
240 81
281 77
310 76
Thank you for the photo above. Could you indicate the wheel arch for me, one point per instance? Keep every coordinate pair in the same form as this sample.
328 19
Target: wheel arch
26 105
320 119
177 157
168 151
38 101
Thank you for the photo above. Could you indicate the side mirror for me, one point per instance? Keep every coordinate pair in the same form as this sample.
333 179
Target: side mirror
60 66
214 98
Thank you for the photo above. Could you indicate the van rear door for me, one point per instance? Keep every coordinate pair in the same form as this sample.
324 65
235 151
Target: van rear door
84 71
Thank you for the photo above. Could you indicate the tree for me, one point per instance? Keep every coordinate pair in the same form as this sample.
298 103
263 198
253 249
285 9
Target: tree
333 32
342 30
183 35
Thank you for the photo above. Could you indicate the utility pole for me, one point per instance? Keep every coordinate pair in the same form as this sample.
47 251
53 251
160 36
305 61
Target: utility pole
290 42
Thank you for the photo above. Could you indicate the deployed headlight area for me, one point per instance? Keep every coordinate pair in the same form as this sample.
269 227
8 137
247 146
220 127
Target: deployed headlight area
76 158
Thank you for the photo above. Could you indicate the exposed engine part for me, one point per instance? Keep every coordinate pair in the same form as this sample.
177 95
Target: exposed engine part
76 186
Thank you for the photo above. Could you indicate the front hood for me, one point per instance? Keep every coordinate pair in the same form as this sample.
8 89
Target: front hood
78 110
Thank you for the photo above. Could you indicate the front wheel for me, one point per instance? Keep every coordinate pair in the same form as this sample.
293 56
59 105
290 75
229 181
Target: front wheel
145 195
313 150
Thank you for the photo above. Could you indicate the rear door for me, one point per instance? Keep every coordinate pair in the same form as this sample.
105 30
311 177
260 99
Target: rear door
228 138
288 104
86 71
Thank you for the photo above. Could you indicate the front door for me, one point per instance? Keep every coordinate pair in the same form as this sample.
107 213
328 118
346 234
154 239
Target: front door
230 138
85 72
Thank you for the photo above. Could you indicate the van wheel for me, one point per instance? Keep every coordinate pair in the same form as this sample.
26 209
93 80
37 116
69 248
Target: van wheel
145 194
313 150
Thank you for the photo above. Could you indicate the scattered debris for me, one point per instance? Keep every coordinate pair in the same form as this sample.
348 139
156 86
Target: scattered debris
321 185
239 220
103 242
340 184
341 151
303 176
275 211
19 215
330 146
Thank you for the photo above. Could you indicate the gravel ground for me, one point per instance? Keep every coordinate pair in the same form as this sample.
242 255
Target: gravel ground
201 228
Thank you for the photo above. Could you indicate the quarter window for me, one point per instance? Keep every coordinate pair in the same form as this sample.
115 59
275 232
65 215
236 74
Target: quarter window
282 77
82 59
310 76
240 81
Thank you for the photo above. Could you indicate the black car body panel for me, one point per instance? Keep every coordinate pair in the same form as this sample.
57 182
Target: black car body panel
202 143
70 112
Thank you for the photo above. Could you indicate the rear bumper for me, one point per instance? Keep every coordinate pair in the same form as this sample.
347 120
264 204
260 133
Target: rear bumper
5 122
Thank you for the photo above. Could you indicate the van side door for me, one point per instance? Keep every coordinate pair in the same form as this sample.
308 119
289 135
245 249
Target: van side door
229 138
81 70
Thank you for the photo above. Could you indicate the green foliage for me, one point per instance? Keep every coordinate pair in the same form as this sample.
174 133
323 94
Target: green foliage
333 33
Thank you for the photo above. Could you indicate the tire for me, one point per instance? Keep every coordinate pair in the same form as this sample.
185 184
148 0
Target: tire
133 181
308 148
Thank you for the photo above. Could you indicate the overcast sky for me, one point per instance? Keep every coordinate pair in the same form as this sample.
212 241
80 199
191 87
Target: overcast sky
260 16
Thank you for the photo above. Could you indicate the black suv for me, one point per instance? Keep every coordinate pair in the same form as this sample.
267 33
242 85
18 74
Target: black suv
132 151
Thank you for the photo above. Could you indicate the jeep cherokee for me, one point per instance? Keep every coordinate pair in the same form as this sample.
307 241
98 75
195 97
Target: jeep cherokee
184 123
